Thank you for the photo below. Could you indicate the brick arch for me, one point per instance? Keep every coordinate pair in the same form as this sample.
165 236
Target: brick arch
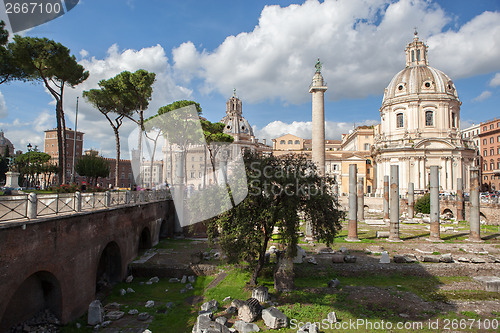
447 210
109 266
144 239
39 291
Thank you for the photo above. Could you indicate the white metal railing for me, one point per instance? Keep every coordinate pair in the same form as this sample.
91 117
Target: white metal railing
32 205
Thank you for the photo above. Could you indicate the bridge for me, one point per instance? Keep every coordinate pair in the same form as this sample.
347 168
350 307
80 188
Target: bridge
60 261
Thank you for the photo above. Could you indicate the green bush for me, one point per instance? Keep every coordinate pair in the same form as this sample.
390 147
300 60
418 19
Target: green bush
423 204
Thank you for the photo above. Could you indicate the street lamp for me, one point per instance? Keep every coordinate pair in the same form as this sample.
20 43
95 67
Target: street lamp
29 146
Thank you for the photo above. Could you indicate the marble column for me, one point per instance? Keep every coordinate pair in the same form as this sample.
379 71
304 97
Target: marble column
434 218
352 228
394 205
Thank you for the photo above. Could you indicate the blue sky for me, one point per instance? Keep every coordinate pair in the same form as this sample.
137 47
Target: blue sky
201 50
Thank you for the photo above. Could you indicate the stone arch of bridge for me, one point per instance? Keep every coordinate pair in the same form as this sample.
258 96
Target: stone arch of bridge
109 267
144 239
39 291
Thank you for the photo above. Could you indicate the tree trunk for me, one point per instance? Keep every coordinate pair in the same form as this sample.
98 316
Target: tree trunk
63 123
117 165
260 262
60 150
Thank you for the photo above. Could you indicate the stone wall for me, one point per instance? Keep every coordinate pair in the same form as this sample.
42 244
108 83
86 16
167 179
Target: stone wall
58 258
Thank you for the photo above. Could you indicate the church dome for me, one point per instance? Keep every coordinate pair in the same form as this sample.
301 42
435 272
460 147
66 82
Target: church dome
234 122
418 78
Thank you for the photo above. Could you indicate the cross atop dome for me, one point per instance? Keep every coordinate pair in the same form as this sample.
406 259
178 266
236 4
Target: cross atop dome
416 52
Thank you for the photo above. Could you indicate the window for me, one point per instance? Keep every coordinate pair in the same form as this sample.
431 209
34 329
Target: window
429 118
282 142
498 150
297 142
485 141
492 126
485 177
453 124
78 137
492 166
201 158
335 167
199 174
492 152
412 55
492 140
192 174
418 55
485 128
123 175
485 167
399 120
367 146
192 158
290 142
498 165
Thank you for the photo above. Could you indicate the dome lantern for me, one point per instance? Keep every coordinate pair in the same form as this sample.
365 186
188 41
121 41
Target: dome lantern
416 53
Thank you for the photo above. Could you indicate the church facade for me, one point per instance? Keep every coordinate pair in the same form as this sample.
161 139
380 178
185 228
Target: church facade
420 127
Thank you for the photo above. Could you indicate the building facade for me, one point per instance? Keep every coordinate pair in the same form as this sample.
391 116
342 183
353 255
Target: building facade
51 147
489 149
420 121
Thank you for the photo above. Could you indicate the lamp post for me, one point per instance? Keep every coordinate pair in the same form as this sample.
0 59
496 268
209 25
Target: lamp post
29 146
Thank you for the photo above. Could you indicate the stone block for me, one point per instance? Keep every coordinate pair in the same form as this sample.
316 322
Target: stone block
338 258
250 311
383 234
331 317
261 294
244 327
334 283
447 258
490 283
385 258
274 318
210 306
95 313
350 259
114 315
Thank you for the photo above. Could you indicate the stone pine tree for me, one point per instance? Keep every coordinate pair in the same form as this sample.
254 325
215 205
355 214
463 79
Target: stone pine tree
9 71
92 167
158 122
139 88
115 102
46 61
214 134
280 190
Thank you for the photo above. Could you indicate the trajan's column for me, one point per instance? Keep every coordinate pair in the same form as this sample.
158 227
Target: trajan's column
317 89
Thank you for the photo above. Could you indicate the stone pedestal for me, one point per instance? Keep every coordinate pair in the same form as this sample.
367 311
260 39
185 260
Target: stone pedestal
11 179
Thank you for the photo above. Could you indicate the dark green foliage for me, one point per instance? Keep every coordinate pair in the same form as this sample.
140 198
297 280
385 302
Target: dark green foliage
92 167
33 164
423 204
279 190
48 62
179 104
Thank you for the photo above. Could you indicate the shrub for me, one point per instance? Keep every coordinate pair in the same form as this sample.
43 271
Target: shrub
423 204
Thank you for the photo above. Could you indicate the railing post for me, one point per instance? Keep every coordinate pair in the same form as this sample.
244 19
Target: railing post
78 202
32 206
107 197
141 196
127 197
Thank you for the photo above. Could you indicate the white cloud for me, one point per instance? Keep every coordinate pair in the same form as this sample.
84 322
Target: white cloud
483 96
495 81
22 132
84 53
303 129
3 107
360 42
472 50
98 132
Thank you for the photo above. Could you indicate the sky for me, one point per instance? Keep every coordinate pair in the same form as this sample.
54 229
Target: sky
201 50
